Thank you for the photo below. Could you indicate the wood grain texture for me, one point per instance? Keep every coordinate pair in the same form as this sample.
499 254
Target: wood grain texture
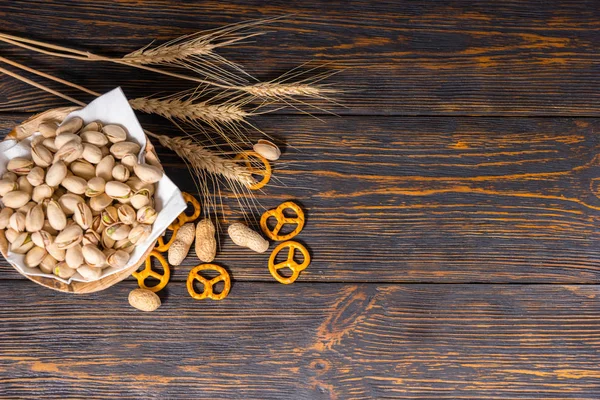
407 58
434 200
315 341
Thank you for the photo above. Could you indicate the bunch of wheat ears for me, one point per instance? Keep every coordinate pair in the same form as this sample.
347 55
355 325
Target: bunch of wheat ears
214 115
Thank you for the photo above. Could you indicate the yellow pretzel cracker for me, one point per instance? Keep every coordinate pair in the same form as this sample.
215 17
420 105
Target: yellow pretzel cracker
183 218
278 214
289 262
265 173
161 246
208 283
147 272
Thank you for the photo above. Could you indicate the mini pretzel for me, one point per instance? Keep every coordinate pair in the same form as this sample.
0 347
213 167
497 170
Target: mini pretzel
147 272
289 263
183 217
208 283
265 173
278 214
160 243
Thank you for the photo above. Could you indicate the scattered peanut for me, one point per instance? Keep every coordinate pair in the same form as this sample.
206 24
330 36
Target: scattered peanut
144 300
206 244
181 246
246 237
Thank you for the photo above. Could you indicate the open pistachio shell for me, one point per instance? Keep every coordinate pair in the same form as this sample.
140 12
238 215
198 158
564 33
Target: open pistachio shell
69 201
95 187
125 245
74 184
140 199
107 242
91 153
48 128
83 216
49 144
94 257
118 150
105 167
41 156
139 233
69 152
17 221
5 215
90 273
95 126
69 237
41 192
91 237
22 243
42 238
127 214
24 185
11 235
117 190
94 137
120 173
36 176
115 133
129 160
19 165
146 215
118 231
62 270
110 216
54 251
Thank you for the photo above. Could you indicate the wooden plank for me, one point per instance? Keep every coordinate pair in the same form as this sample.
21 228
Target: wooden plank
316 341
428 200
407 58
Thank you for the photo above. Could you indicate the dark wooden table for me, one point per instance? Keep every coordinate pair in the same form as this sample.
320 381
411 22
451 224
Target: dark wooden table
453 211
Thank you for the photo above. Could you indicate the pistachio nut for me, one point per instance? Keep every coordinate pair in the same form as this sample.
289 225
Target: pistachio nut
95 126
42 238
34 220
117 190
90 273
74 256
22 243
11 176
118 231
105 151
147 173
83 169
95 187
120 173
49 144
5 215
152 159
94 137
56 216
56 173
83 216
140 199
15 199
125 245
62 270
129 160
267 149
73 125
48 264
146 215
69 152
139 233
97 225
24 185
93 256
115 133
120 149
110 216
17 221
69 201
11 235
118 259
127 214
54 251
48 129
105 167
41 155
91 153
19 165
100 202
34 257
69 237
91 237
107 242
74 184
41 192
135 183
36 176
6 185
36 140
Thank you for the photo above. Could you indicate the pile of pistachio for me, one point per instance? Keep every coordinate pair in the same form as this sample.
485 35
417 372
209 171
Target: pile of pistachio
81 203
